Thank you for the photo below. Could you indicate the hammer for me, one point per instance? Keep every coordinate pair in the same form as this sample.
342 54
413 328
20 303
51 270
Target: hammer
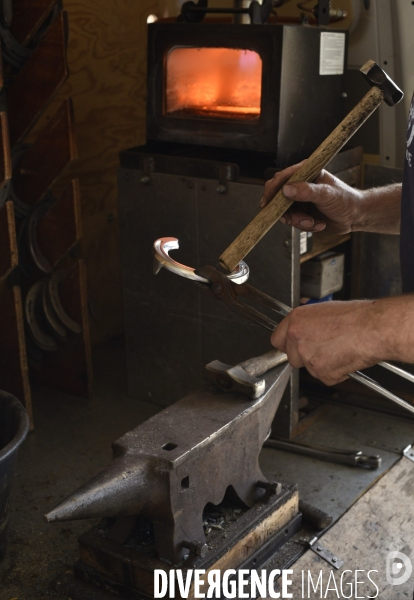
383 88
244 377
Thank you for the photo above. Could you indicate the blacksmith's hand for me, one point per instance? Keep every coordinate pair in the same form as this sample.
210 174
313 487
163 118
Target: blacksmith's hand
327 203
332 339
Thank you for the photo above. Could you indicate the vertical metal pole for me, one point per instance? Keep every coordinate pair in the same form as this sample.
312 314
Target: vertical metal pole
288 412
240 19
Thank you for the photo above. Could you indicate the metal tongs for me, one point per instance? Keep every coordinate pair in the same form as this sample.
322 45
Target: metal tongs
239 295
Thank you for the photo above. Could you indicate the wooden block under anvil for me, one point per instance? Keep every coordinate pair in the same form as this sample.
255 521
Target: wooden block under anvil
128 569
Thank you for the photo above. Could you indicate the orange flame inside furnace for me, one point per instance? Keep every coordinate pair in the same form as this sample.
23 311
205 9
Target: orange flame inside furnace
213 82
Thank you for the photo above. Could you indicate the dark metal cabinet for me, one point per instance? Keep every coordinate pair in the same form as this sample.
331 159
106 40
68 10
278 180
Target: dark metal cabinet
172 328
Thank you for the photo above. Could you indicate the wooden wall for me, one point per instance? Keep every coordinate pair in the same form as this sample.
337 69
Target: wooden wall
107 62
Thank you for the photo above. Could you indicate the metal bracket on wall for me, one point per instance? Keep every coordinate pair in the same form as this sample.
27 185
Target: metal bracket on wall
326 554
225 173
409 453
147 168
192 12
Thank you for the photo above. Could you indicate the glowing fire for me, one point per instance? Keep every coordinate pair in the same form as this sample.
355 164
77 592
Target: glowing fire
215 82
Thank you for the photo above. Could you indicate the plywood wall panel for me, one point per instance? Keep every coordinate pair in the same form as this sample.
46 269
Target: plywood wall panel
107 82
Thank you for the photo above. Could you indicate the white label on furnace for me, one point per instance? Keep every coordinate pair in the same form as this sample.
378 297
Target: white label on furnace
332 53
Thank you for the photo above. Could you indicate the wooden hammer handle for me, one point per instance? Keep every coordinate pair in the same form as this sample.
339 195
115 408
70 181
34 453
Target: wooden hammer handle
261 364
272 212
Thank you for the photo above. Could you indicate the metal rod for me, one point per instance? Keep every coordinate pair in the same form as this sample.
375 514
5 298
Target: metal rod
373 385
354 458
240 11
397 371
237 17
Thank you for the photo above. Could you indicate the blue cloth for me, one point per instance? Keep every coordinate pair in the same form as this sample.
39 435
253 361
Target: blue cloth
407 210
319 300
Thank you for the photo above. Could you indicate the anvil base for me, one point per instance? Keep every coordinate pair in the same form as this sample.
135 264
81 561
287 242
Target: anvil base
128 569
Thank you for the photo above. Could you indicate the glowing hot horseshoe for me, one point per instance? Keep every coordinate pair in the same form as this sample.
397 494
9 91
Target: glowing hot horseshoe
162 247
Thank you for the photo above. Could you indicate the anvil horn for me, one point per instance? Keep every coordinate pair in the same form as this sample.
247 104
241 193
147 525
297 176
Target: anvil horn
122 488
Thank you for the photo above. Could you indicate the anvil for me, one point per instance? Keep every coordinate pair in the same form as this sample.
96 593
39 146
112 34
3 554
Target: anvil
172 465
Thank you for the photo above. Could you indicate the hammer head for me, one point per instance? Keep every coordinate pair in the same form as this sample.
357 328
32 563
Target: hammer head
376 76
235 379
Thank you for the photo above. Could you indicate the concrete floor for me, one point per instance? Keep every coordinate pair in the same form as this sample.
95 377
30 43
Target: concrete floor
72 442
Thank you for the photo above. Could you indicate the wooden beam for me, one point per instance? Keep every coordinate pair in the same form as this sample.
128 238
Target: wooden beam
49 155
5 156
1 70
8 243
28 17
60 228
38 80
13 362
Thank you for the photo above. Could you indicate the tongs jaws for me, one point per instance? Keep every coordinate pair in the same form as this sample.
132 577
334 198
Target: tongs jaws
239 297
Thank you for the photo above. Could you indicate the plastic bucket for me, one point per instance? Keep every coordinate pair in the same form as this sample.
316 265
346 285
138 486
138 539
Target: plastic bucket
14 425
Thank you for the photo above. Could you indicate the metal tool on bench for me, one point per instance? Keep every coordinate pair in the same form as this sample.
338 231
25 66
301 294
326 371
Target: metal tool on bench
236 295
383 89
354 458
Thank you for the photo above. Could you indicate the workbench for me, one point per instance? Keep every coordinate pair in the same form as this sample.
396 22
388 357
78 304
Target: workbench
380 521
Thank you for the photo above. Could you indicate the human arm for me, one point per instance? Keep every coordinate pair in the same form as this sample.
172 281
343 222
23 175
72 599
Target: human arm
329 203
333 339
